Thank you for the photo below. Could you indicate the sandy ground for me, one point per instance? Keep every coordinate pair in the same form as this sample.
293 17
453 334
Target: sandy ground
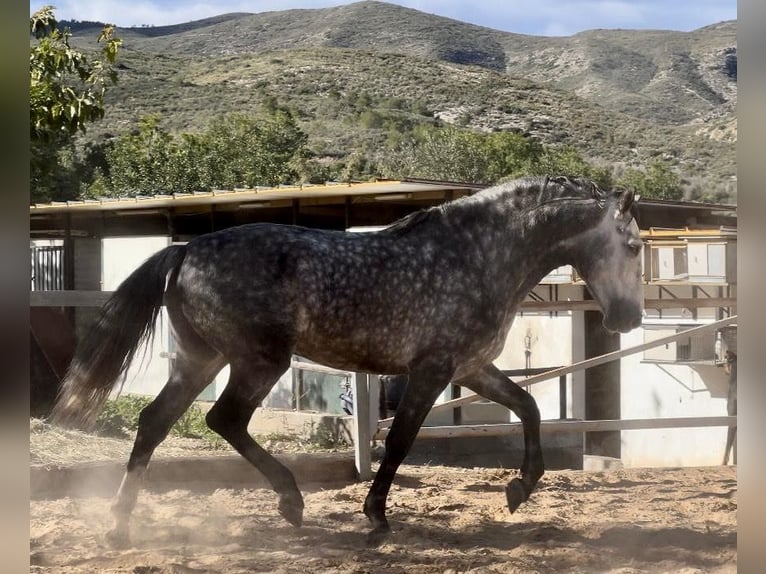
445 520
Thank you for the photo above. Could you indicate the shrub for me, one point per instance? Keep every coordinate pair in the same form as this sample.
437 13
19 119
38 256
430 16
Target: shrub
120 418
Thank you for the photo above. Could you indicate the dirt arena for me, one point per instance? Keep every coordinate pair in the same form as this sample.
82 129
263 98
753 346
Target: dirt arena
445 520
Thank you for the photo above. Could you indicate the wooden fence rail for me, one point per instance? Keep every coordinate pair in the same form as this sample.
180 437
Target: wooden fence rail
588 363
501 429
562 426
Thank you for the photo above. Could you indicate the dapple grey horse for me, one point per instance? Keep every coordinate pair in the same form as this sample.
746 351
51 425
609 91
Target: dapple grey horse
432 296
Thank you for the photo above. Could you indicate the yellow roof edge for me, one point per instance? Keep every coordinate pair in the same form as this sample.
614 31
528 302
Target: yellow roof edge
259 191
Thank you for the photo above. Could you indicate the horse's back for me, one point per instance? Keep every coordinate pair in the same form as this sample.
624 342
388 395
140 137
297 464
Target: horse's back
295 284
344 299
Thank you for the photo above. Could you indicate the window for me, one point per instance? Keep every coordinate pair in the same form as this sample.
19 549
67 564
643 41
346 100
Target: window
668 263
716 260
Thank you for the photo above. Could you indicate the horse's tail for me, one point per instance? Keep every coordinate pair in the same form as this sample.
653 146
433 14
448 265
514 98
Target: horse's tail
124 322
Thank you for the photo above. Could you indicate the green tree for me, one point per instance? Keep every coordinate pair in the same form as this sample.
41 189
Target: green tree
236 150
142 161
246 151
66 92
437 153
510 155
568 161
456 154
657 180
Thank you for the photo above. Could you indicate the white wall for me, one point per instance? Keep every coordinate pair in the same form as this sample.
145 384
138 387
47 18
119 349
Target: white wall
650 390
549 340
120 256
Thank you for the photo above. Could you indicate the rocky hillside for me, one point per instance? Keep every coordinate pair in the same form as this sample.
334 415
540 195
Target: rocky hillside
622 96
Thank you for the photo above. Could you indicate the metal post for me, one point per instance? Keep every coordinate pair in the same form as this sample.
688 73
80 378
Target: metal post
563 397
457 413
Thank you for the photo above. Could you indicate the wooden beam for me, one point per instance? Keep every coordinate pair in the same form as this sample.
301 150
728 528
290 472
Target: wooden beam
318 368
676 303
68 298
569 426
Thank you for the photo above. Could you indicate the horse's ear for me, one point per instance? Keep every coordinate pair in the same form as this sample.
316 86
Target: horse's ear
627 198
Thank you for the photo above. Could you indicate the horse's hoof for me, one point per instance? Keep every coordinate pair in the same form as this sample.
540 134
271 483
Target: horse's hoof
292 512
377 535
118 538
515 494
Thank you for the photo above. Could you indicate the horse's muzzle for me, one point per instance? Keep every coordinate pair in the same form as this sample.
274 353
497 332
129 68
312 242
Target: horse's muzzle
623 319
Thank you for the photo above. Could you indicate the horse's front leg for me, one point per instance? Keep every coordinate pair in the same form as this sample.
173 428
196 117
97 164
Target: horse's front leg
492 384
427 380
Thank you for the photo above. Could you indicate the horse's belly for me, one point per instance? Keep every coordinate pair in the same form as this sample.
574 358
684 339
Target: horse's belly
353 362
361 353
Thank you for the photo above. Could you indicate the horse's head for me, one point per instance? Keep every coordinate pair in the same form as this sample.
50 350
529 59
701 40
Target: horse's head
608 257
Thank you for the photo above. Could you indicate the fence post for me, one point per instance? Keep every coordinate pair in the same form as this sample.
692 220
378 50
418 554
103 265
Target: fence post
563 397
362 434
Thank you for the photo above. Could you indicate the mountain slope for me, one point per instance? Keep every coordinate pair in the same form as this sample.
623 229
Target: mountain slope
618 95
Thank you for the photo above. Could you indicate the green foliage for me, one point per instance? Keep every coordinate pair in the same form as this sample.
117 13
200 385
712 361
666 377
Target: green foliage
120 418
568 161
144 162
237 150
658 181
453 154
449 153
192 425
66 92
246 151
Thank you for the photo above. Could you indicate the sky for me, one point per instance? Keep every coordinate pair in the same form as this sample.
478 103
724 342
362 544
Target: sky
538 17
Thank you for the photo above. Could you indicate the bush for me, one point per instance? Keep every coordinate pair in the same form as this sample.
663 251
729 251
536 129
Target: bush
192 425
119 418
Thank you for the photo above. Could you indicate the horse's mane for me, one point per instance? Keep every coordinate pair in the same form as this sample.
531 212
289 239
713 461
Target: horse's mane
537 192
532 192
414 219
525 194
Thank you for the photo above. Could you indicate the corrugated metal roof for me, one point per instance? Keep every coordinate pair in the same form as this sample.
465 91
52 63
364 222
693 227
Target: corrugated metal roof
256 195
329 189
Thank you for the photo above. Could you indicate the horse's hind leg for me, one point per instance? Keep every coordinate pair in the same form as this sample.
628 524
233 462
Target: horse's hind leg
249 383
492 384
190 375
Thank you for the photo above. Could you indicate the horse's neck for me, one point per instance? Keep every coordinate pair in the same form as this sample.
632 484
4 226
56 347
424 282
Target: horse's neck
520 247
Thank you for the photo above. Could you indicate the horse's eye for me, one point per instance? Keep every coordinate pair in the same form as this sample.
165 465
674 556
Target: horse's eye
635 245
